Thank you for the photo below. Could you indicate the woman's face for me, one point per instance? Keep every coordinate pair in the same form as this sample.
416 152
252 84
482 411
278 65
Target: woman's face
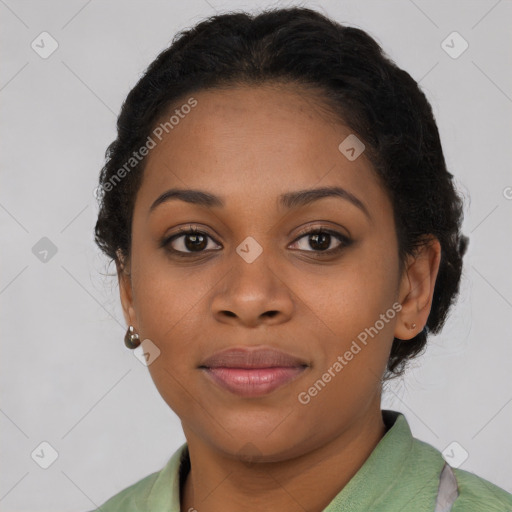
253 278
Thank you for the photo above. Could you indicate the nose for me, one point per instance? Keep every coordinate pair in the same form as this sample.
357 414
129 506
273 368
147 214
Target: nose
251 294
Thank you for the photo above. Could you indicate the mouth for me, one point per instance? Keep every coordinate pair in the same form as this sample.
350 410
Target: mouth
252 373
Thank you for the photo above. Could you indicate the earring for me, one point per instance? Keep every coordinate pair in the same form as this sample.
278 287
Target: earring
131 338
413 326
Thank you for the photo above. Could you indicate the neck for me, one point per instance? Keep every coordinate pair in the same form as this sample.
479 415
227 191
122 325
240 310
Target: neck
307 482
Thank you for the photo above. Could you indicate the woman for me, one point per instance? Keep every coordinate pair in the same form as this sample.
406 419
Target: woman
286 236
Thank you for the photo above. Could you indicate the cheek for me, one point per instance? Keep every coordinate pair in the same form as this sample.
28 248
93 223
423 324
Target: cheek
165 294
356 320
354 312
169 311
172 308
353 295
168 307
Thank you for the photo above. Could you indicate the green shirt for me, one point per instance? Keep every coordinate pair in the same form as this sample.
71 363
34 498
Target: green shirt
401 474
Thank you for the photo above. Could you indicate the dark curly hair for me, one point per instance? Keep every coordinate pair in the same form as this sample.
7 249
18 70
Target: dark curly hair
353 78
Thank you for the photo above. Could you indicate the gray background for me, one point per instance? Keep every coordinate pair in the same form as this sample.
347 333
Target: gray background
66 377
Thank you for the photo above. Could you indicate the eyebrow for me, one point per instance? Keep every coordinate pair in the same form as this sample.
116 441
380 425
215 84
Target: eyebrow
289 200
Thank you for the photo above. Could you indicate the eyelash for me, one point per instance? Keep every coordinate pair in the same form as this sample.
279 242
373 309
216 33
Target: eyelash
344 241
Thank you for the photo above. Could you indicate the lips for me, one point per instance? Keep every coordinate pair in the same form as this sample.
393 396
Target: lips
252 372
252 358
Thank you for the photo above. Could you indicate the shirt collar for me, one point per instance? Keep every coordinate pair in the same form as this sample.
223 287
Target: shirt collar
401 473
389 474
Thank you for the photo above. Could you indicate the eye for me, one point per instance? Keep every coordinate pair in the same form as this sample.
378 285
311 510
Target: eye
193 241
188 242
321 240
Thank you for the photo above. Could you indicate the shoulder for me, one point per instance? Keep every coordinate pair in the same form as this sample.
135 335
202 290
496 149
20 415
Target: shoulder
477 494
133 498
156 491
424 463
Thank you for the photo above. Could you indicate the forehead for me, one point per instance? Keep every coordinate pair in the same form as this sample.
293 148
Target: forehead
258 140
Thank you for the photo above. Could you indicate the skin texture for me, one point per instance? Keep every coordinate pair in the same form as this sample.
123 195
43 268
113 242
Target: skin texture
249 145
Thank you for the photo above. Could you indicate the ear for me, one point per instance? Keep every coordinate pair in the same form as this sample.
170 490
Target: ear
417 289
125 290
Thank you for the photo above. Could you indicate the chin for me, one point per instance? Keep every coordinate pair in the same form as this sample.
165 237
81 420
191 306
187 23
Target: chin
258 444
